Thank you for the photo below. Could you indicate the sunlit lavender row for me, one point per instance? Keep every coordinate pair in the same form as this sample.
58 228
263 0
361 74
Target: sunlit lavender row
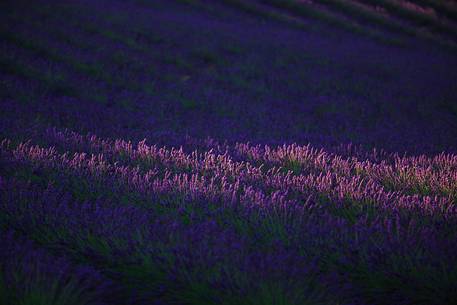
166 220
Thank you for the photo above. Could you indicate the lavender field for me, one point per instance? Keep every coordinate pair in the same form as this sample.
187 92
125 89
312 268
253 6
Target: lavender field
228 152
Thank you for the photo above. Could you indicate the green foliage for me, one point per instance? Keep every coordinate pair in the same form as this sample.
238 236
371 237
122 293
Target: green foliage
117 37
35 177
146 277
405 278
126 104
120 59
99 97
33 46
10 65
196 293
292 165
180 62
40 288
206 56
234 49
150 88
449 106
57 84
6 295
92 69
189 104
277 294
273 227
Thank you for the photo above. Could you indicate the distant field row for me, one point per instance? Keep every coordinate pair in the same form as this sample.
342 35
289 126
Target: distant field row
435 21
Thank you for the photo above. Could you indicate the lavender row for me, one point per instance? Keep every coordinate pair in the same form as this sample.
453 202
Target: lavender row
184 89
341 233
420 174
417 175
124 240
333 179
